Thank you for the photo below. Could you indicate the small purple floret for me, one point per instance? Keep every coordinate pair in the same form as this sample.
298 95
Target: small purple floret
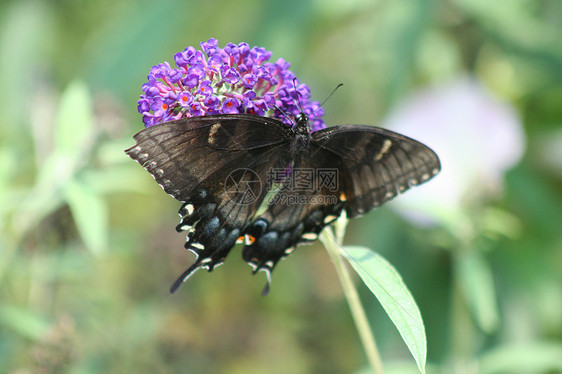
184 99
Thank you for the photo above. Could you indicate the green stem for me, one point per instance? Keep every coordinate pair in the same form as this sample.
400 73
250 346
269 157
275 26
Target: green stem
354 302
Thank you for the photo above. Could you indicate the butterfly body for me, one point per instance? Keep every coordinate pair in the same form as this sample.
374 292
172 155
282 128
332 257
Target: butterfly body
301 140
222 167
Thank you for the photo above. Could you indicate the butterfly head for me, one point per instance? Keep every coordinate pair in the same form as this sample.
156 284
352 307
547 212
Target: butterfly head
302 124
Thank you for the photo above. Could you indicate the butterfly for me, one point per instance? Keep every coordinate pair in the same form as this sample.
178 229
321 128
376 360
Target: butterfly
255 180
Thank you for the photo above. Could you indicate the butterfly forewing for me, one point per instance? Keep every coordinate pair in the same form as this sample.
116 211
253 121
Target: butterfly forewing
181 154
374 164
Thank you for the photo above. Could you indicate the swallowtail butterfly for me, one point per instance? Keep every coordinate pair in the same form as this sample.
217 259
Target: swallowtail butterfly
223 166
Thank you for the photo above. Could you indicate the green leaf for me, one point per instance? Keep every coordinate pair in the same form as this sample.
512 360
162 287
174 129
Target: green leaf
27 30
388 287
90 214
478 287
44 197
73 136
23 321
532 357
74 120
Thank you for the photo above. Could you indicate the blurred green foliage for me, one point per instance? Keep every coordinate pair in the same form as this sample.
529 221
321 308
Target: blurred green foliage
87 241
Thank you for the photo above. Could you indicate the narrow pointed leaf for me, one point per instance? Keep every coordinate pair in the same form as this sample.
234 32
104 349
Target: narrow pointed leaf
388 287
74 120
478 286
90 215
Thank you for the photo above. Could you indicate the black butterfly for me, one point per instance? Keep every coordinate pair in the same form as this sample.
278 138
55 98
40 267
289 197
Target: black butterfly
222 166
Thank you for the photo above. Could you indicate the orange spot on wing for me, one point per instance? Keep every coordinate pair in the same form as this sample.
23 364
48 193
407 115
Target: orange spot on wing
250 239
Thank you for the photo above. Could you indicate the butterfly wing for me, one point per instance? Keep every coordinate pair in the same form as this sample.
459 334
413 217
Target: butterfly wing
355 168
375 164
307 201
216 165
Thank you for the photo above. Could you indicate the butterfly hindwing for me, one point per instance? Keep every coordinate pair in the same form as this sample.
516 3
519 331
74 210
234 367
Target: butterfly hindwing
308 200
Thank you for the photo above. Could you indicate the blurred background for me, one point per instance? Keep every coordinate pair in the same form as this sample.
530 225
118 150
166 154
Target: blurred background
88 248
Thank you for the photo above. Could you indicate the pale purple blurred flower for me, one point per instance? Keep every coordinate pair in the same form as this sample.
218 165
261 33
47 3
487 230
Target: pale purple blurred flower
477 138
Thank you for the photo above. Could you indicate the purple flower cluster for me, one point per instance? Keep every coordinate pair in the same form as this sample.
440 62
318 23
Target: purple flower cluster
233 79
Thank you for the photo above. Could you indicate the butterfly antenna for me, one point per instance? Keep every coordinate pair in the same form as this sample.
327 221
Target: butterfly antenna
326 99
283 113
298 100
330 95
